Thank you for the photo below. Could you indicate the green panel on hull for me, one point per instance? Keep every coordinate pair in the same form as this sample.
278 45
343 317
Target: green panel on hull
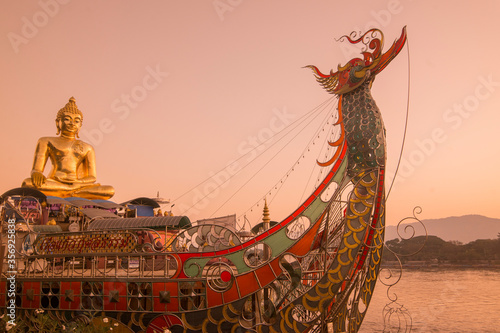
279 242
194 266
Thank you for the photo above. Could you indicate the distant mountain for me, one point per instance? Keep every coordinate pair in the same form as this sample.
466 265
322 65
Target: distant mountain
464 229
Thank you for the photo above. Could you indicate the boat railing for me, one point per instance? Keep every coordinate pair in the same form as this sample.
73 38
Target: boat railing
102 266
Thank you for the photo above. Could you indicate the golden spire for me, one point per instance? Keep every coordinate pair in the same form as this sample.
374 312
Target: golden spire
265 217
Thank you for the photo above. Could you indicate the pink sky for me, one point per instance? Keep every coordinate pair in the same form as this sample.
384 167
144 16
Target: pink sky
207 79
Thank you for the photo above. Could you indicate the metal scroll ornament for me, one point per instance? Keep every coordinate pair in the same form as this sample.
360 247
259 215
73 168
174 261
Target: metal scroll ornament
396 316
205 238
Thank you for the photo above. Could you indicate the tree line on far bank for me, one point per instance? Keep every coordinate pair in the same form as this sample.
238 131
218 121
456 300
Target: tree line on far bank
434 249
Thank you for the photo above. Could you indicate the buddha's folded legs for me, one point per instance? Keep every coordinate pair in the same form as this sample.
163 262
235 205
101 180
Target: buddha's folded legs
62 190
94 192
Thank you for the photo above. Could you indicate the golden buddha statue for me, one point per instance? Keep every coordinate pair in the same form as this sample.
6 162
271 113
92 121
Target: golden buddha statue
73 161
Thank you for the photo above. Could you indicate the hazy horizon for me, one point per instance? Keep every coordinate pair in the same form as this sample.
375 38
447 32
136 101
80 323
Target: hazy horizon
465 229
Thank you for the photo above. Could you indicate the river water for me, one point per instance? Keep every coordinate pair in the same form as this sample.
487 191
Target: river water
439 300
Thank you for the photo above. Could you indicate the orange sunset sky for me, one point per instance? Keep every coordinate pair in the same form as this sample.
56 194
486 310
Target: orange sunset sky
173 91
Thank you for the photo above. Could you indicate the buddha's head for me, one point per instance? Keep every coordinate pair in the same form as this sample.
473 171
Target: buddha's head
69 119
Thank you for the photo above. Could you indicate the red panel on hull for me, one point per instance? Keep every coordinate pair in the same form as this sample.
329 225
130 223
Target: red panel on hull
275 265
121 288
66 304
213 298
265 275
171 287
247 283
232 293
35 287
3 292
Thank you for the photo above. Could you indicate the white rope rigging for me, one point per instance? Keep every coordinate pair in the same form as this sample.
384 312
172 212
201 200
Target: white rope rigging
283 133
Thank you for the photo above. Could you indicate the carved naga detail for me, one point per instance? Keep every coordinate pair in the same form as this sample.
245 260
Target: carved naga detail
359 116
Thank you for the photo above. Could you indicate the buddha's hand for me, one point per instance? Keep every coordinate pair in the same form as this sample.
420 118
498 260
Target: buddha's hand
37 178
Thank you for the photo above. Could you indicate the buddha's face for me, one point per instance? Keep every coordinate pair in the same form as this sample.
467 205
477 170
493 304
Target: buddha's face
69 124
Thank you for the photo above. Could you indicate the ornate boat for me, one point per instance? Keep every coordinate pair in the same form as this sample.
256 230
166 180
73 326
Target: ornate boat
314 271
